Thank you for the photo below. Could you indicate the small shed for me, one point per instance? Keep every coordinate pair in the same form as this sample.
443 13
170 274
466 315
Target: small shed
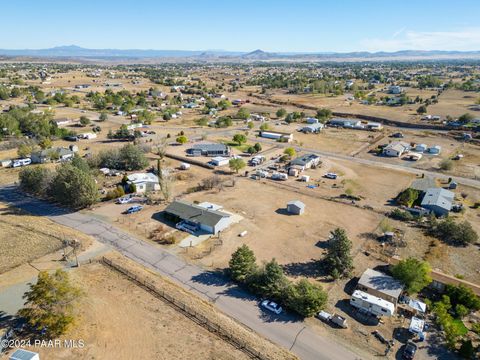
219 161
21 354
296 207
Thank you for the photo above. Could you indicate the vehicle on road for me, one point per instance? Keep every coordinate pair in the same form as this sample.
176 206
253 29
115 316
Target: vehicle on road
124 200
272 306
133 209
409 351
331 176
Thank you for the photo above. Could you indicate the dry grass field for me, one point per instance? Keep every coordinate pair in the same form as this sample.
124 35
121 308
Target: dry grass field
144 327
25 237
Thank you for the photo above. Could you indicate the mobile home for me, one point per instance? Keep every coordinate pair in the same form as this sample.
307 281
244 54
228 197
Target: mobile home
372 304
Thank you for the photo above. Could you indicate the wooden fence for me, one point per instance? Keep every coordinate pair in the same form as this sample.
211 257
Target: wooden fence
186 310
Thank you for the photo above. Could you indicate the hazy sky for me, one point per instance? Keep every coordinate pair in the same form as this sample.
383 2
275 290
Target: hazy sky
242 25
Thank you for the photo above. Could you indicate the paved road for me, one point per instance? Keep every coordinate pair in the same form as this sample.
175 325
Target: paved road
286 330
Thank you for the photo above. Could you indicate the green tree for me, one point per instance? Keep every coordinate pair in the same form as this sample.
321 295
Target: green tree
182 139
466 118
290 151
240 139
132 158
324 114
202 121
24 150
242 264
236 164
264 127
224 104
50 303
103 116
413 273
45 143
454 233
281 113
422 109
84 121
408 197
305 298
339 259
270 281
73 187
250 124
258 147
35 179
243 114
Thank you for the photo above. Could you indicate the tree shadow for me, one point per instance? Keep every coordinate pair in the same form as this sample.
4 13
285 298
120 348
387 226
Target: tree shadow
6 320
350 285
314 268
215 278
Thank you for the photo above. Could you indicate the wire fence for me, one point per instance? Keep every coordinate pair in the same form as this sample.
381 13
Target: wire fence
187 310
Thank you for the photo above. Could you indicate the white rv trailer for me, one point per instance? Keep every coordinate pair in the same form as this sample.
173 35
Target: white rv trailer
372 304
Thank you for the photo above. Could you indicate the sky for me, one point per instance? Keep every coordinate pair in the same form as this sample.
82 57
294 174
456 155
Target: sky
242 25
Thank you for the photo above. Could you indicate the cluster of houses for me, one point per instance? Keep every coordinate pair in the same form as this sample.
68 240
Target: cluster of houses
399 148
355 124
60 154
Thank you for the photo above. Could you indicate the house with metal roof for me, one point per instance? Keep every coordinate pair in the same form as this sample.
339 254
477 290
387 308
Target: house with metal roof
144 182
196 217
312 128
306 161
209 149
22 354
381 285
60 154
438 200
396 149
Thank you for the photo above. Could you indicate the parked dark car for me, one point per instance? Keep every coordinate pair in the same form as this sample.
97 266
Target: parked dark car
409 351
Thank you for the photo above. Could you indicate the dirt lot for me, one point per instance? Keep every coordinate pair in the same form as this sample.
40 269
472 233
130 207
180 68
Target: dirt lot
153 326
25 237
273 233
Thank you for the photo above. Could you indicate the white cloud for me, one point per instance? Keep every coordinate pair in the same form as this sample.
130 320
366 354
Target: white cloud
462 40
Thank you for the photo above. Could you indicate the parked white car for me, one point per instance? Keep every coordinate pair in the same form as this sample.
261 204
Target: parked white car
124 200
331 176
272 306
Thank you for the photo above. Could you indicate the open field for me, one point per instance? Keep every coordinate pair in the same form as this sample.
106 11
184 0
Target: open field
26 237
102 321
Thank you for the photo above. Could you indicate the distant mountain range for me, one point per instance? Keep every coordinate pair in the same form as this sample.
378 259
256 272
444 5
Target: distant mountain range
74 51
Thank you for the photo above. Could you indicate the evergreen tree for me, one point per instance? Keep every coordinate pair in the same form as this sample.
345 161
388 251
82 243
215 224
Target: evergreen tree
242 264
339 260
49 303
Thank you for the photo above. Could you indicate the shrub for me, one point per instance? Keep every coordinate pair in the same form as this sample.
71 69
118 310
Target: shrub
408 197
35 180
454 233
398 214
413 273
446 165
